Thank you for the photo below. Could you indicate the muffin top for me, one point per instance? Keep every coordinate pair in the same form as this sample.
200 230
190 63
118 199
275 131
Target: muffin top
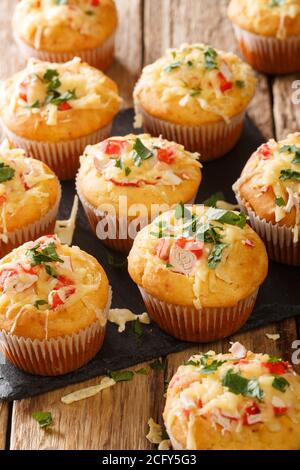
270 182
199 256
274 18
240 400
194 85
45 101
65 25
48 290
146 170
28 190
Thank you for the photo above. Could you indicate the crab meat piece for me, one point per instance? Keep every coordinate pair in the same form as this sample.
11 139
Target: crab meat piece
13 281
163 249
183 261
102 164
238 350
225 70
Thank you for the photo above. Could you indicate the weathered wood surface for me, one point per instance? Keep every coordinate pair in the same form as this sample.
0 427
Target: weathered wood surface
3 424
117 418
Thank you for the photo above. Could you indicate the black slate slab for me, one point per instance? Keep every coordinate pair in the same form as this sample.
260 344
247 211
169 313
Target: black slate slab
279 297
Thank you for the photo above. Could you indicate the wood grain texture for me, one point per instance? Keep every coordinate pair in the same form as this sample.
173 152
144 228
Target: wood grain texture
170 23
114 419
3 424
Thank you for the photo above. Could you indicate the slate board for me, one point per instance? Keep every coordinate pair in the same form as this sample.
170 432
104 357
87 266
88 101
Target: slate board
278 299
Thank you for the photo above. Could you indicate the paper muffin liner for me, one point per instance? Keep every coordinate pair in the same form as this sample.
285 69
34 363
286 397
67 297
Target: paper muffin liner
61 157
117 225
55 356
269 54
212 141
43 226
100 57
198 325
279 239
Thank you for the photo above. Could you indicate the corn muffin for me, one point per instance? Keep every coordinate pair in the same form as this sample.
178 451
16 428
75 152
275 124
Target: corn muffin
199 270
269 192
196 95
235 401
125 182
54 111
268 32
56 31
54 303
29 198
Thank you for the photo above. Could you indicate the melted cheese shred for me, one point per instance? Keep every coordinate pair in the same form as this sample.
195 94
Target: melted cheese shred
20 291
272 161
193 392
24 185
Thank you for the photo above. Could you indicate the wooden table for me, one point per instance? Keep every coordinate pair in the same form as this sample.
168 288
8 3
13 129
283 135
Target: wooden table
117 418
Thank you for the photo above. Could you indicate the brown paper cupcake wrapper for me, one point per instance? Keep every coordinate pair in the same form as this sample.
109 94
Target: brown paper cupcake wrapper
100 57
198 325
54 356
61 157
44 226
279 240
117 225
269 54
210 140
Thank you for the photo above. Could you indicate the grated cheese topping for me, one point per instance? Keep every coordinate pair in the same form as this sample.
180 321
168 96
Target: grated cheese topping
48 89
37 17
135 161
20 181
46 276
232 393
278 167
200 76
88 392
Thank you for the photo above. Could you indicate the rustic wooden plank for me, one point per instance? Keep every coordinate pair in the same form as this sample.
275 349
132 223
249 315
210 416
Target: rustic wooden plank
169 23
114 419
3 424
129 51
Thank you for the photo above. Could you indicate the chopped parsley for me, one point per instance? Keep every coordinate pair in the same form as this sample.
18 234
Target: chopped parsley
227 217
141 371
141 152
274 359
44 418
292 149
195 92
280 202
241 386
6 172
215 256
51 271
157 365
289 175
122 375
51 77
116 262
276 3
127 171
280 383
38 303
207 363
213 199
240 84
137 329
34 105
63 98
210 58
39 256
172 67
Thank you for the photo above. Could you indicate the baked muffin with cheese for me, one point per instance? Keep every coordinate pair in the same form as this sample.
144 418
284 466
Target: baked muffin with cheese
268 32
235 401
56 31
29 198
125 182
269 192
199 270
196 95
54 111
54 303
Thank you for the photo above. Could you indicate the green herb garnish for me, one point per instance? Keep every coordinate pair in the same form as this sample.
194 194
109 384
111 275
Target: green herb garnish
44 418
210 58
39 256
241 386
6 173
292 149
172 67
215 255
137 329
274 359
280 202
276 3
51 271
127 171
140 152
121 376
38 303
280 383
50 74
289 175
157 365
227 217
213 199
34 105
67 96
240 84
141 371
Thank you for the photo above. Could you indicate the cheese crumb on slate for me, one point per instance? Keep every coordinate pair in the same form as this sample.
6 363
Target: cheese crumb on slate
273 337
65 229
155 432
120 316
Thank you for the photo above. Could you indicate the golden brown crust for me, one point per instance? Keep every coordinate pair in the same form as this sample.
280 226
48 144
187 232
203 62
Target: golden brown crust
243 270
258 17
58 35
